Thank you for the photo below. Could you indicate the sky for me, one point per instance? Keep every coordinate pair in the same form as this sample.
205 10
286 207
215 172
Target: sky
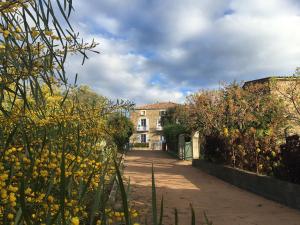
164 50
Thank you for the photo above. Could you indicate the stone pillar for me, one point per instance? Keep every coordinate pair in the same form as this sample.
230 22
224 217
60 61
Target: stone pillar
195 145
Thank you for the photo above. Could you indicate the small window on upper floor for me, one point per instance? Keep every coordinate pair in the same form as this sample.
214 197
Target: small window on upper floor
143 112
162 112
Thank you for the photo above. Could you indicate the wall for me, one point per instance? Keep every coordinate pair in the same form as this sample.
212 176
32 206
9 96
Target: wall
280 191
279 88
152 134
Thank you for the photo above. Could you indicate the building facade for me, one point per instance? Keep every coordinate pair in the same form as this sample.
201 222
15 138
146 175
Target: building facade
284 88
147 120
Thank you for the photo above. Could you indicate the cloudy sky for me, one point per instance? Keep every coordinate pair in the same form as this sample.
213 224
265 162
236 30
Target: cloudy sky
162 50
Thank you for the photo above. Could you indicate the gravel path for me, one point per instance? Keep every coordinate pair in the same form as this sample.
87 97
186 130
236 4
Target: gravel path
181 184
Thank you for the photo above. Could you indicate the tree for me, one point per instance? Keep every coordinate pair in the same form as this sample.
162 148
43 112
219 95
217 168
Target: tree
121 128
34 46
55 157
289 93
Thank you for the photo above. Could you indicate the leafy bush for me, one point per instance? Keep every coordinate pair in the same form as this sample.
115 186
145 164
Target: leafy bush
171 133
121 128
56 152
215 149
240 126
289 167
141 145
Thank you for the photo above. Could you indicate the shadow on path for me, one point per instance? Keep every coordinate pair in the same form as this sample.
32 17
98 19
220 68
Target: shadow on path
181 184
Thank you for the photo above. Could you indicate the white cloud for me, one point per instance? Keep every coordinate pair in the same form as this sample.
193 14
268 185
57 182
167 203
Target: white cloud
152 50
117 74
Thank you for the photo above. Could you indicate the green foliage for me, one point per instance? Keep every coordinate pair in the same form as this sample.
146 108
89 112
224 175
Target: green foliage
121 128
140 145
153 202
171 133
177 115
289 168
123 195
240 126
56 149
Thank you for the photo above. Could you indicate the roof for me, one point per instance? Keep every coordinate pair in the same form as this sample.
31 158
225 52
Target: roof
158 105
266 79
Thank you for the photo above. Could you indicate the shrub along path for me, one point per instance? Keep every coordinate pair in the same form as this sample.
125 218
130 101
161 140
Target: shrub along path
181 184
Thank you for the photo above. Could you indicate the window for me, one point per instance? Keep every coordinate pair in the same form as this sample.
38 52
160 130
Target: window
162 112
159 122
143 138
143 122
143 112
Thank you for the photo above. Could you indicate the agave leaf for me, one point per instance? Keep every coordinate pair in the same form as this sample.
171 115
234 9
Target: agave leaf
206 220
193 215
161 210
154 208
176 216
123 194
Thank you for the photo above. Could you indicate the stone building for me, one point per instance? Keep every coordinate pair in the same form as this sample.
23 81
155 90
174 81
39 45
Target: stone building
284 88
147 125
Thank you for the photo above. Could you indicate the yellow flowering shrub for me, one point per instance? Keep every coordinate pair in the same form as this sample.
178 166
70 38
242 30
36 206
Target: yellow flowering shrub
65 144
57 154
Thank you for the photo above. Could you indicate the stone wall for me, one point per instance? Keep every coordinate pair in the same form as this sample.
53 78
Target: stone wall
280 191
153 134
281 88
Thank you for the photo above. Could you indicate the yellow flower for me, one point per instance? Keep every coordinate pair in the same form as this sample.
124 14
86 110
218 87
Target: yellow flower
2 46
12 189
3 194
48 32
50 198
54 37
10 216
4 177
135 214
34 33
6 33
225 131
75 221
44 173
12 197
28 191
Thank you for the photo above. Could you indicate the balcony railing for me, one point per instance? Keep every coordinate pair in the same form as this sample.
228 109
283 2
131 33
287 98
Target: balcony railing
142 128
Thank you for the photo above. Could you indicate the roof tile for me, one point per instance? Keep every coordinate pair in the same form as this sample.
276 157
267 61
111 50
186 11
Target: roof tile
158 105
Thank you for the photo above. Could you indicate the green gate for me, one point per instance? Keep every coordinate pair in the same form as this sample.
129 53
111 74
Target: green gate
188 153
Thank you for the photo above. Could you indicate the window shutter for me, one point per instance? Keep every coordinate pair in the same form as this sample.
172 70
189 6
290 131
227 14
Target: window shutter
139 122
147 123
146 138
139 138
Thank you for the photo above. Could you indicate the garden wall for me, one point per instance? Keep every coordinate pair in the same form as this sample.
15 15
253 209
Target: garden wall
268 187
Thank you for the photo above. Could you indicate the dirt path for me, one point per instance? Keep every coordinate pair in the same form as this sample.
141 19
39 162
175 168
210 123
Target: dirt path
181 184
